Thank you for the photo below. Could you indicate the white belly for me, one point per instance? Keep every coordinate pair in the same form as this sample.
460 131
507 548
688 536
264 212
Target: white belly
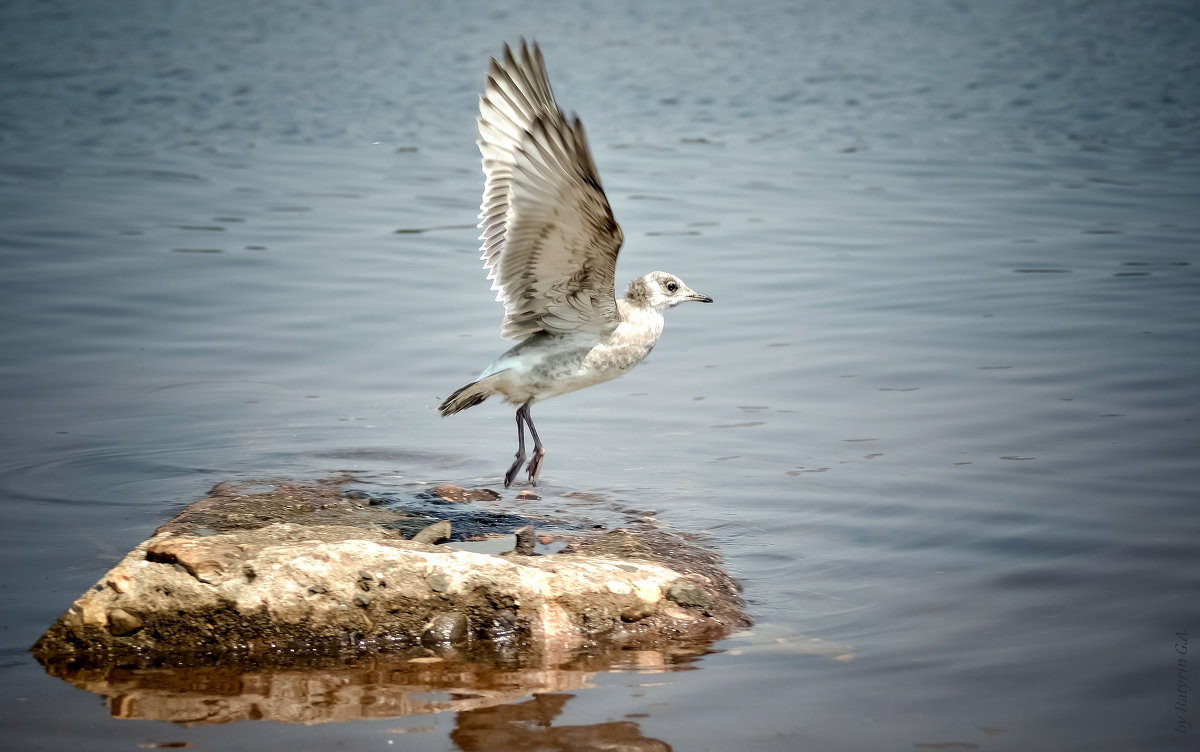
538 370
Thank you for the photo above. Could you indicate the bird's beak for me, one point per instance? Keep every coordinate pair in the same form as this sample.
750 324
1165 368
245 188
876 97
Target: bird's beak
699 298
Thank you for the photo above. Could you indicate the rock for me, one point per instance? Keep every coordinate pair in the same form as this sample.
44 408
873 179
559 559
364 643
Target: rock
435 533
545 540
527 495
458 495
525 541
305 577
205 588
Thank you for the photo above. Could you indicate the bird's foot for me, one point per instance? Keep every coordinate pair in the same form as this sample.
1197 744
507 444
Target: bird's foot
535 464
512 471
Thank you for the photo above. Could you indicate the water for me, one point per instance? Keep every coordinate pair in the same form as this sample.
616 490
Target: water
940 420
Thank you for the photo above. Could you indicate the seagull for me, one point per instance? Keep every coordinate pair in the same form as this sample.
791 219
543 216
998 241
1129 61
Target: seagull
550 247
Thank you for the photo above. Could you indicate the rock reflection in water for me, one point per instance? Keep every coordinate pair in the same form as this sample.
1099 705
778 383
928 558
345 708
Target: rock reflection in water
380 686
529 726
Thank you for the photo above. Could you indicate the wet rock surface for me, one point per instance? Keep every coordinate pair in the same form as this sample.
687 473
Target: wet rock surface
280 575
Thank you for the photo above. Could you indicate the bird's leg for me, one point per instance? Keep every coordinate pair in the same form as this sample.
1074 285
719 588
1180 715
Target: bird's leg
539 451
512 471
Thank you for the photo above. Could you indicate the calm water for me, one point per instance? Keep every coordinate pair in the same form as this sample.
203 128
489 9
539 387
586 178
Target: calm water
941 419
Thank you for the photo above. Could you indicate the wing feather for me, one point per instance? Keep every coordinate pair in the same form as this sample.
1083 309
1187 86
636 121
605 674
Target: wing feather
549 240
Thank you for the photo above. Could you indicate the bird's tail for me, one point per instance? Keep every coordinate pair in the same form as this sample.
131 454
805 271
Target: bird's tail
468 396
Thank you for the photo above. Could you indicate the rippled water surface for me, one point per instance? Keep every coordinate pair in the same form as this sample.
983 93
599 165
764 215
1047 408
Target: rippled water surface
940 420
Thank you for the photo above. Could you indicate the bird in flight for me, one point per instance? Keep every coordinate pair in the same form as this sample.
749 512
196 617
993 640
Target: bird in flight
550 247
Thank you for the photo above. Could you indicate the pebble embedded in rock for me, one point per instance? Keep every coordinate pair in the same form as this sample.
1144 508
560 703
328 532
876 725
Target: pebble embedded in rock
445 628
690 595
120 582
502 626
637 612
206 562
121 623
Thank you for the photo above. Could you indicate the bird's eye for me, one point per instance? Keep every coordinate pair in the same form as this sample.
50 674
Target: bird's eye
672 287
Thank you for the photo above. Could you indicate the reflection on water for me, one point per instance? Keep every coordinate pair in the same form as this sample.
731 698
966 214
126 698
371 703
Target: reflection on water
529 725
339 690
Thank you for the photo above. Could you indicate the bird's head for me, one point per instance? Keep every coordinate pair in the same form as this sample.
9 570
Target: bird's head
662 290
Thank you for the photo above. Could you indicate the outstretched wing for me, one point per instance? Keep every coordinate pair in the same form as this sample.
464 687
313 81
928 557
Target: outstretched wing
550 242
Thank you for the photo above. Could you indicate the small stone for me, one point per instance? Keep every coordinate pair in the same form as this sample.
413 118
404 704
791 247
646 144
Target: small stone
679 614
91 612
362 600
690 595
636 612
445 628
435 533
120 581
439 582
545 539
527 495
204 561
121 623
502 626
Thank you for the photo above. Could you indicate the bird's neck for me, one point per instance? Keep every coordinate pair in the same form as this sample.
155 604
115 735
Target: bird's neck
640 318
